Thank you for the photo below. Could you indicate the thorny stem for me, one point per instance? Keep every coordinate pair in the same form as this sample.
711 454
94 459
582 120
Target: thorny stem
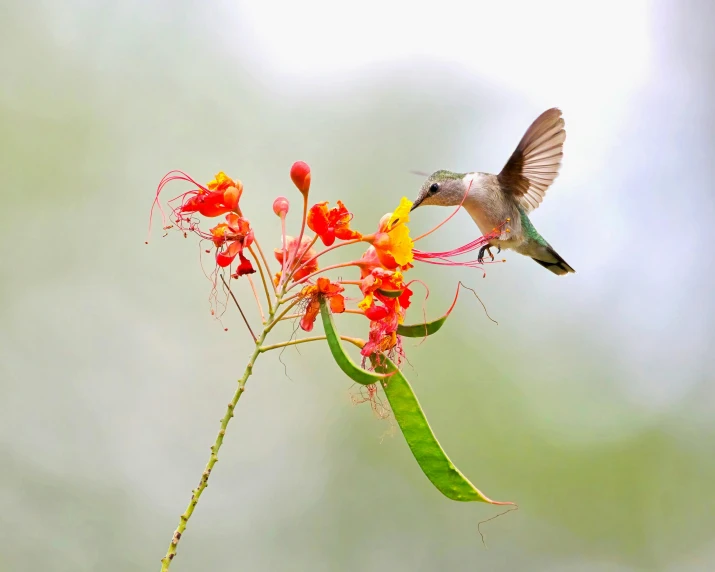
263 278
213 459
273 319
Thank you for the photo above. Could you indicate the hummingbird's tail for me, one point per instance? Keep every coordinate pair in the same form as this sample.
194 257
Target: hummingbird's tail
550 259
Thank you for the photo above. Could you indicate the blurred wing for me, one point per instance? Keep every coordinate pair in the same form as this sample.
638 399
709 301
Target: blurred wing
535 163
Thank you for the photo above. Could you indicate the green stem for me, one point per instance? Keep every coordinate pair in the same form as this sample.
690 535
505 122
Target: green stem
356 341
213 459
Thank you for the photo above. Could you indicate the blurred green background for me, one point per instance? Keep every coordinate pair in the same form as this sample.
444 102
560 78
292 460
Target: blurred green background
590 404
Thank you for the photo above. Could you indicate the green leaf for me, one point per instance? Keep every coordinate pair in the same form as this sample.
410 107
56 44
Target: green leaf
349 367
430 456
421 330
391 293
427 328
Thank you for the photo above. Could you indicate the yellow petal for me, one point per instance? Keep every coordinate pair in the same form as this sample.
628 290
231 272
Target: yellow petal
366 302
401 245
219 179
401 214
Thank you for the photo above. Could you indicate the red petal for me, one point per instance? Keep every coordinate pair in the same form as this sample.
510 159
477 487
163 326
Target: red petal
328 237
318 218
345 233
405 298
375 313
225 257
245 267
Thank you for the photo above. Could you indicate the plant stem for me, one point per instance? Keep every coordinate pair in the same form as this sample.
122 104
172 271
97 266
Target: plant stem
356 341
213 459
239 308
258 301
321 270
263 278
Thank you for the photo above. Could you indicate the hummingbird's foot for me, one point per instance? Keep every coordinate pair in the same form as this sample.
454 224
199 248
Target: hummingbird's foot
482 250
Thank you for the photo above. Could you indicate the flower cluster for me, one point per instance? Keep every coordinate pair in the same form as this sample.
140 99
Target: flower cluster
219 197
384 294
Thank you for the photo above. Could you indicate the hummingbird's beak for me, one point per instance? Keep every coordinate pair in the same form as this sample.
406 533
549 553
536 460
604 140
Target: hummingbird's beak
416 204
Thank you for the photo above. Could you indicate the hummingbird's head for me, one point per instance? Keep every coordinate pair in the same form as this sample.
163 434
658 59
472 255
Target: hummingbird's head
442 188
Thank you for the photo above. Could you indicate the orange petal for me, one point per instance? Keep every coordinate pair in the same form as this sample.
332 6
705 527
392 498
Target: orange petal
337 304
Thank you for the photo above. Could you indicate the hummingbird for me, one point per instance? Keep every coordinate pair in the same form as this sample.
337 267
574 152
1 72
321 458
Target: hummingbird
504 201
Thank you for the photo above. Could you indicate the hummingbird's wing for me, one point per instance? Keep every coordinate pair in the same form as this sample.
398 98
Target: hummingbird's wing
535 163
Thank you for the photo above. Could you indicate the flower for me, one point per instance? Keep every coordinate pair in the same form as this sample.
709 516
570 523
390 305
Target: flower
304 255
300 175
324 287
219 198
392 241
384 286
386 299
330 224
230 238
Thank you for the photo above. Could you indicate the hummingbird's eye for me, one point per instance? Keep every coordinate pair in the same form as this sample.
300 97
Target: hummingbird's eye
434 187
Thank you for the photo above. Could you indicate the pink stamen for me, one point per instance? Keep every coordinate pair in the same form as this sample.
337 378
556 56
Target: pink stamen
174 175
446 258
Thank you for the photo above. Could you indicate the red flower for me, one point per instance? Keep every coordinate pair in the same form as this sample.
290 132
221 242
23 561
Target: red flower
231 237
326 288
385 302
305 253
300 175
220 198
383 336
330 224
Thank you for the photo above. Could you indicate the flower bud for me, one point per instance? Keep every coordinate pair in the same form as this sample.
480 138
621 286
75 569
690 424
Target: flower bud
300 175
280 206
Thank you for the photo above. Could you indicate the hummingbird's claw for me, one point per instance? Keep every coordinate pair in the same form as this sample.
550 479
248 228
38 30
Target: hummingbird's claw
482 250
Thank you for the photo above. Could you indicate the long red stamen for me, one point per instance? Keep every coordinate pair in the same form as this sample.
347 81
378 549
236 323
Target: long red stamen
445 258
174 175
